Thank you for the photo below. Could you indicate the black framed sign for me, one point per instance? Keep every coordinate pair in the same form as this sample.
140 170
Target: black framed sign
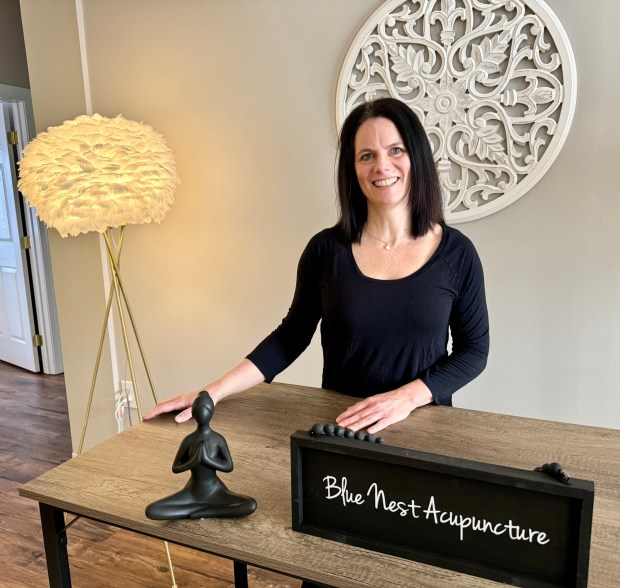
514 526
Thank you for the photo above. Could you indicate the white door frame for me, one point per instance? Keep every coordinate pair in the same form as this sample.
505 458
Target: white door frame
43 282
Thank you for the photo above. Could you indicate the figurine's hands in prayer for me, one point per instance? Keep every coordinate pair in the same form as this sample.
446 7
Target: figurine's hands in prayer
182 402
375 413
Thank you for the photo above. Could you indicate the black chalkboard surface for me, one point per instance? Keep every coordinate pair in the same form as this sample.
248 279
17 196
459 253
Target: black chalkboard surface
514 526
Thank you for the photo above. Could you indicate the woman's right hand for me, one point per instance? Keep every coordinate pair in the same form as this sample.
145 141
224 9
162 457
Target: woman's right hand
182 402
241 377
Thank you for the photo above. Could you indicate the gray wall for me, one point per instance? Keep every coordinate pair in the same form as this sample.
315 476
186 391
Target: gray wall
244 92
13 67
552 259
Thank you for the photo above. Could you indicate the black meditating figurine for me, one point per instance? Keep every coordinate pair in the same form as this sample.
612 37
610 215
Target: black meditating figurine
203 452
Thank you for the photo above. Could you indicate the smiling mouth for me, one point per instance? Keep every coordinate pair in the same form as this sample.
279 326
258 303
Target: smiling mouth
384 183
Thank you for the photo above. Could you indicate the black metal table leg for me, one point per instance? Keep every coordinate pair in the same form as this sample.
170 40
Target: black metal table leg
241 574
55 542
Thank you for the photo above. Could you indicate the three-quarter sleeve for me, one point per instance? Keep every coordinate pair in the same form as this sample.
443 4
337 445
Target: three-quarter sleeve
469 327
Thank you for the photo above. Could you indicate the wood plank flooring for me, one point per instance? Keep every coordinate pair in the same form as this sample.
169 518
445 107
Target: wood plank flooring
34 437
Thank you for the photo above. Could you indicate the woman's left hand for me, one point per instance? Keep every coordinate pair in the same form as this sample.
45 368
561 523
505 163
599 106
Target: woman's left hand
375 413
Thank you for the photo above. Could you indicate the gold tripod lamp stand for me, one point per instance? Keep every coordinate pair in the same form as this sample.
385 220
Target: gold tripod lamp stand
117 294
101 174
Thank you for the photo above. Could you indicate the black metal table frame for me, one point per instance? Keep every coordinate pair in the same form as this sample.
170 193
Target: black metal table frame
54 531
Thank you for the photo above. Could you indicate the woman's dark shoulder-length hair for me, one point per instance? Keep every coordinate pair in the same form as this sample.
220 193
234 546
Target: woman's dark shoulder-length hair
425 201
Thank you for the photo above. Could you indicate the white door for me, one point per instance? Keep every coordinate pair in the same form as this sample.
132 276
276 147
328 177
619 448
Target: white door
16 313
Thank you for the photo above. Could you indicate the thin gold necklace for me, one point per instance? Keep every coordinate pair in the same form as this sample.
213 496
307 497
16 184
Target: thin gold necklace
386 244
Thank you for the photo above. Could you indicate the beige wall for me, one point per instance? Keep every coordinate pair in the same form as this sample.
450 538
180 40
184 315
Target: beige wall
552 259
50 33
244 93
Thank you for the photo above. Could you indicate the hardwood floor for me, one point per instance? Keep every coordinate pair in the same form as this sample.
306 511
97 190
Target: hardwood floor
34 437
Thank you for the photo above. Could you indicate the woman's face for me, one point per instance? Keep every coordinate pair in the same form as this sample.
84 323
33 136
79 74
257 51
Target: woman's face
382 164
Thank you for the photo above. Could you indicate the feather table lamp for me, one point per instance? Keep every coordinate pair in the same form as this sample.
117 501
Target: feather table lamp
101 174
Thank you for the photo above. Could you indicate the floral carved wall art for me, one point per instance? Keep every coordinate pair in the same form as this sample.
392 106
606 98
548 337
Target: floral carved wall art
493 81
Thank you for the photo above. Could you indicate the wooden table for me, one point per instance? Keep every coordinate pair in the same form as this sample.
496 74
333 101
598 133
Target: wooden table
114 481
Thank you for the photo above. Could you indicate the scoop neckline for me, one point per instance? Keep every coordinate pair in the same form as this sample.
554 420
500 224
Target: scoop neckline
416 273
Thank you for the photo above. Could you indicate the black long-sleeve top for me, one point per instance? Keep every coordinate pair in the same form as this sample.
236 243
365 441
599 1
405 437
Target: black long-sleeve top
378 335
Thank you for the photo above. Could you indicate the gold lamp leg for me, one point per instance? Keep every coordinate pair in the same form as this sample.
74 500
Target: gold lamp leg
118 281
174 582
121 315
96 370
100 348
116 291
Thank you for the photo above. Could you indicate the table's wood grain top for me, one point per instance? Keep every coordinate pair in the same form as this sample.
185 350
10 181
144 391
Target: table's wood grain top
114 481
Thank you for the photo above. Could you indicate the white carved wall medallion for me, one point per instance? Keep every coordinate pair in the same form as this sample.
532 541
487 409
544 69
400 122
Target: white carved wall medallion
493 81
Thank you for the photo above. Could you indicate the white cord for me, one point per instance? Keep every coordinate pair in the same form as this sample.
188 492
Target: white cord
123 401
119 411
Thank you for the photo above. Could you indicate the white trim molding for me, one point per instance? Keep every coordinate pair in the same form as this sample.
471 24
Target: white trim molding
41 264
494 83
107 282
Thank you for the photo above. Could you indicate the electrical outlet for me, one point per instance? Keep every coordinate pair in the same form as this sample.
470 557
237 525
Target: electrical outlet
127 389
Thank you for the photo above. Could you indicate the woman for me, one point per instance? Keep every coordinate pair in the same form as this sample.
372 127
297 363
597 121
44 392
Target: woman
387 283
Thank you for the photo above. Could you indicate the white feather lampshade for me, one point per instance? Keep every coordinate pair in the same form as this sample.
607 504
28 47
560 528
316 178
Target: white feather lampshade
93 173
